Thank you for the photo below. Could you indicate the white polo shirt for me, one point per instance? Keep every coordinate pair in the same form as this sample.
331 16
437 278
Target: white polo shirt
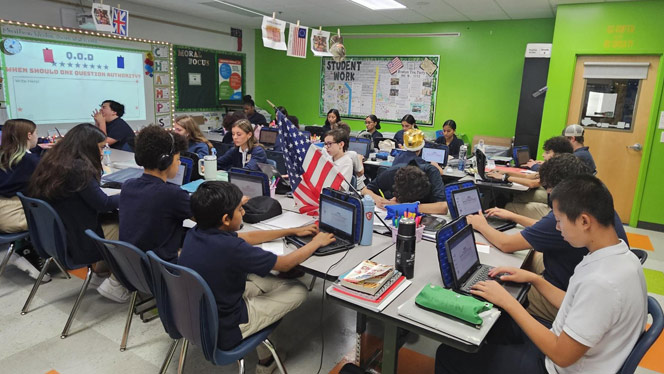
605 308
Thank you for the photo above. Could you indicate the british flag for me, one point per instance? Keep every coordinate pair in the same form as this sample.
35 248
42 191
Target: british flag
120 21
309 170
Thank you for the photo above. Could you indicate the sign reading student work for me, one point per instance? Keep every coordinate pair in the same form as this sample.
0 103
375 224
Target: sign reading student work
387 86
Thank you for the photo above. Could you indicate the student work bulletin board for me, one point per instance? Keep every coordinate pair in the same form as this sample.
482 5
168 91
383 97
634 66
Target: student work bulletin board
387 86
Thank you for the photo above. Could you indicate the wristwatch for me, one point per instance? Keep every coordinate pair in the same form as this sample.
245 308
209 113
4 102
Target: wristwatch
506 177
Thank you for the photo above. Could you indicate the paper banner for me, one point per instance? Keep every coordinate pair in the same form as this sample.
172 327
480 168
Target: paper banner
164 121
320 43
163 107
102 18
273 33
297 41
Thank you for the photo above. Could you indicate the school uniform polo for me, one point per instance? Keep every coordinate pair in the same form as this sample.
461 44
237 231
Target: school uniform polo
584 155
120 130
398 137
224 260
405 157
559 257
605 308
16 179
454 146
201 149
151 215
257 119
234 158
385 181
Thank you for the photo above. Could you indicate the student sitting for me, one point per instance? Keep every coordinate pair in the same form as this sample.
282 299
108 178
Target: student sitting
254 117
336 145
227 124
333 117
413 142
372 125
247 153
575 135
109 120
602 311
558 259
407 123
407 184
152 209
248 297
357 159
67 178
533 203
16 166
449 138
186 126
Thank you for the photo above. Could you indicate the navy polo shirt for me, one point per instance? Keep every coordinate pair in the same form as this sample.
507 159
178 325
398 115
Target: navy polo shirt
405 157
233 159
454 146
398 137
257 119
16 179
559 257
224 260
385 180
120 130
584 155
151 215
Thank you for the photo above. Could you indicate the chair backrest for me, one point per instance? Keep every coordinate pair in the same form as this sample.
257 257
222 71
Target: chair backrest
641 254
190 161
187 302
128 263
439 133
221 148
646 339
315 130
47 232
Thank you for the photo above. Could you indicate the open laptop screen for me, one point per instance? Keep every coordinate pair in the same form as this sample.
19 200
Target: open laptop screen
179 177
522 156
268 136
250 185
437 155
467 201
337 216
463 253
360 147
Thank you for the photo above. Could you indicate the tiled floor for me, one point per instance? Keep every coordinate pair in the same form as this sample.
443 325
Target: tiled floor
32 344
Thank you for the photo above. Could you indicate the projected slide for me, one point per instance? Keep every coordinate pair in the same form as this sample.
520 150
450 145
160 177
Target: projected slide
53 83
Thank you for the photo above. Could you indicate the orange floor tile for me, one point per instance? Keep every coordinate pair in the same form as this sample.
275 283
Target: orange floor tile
52 372
653 358
639 241
81 273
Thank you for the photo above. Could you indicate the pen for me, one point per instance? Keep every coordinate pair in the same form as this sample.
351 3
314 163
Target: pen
381 193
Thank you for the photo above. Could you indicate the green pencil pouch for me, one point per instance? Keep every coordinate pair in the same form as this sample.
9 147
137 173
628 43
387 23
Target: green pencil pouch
448 302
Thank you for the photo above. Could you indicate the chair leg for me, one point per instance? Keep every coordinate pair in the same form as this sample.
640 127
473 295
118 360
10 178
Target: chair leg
130 314
268 344
10 252
36 286
240 365
62 269
84 287
313 281
183 356
169 356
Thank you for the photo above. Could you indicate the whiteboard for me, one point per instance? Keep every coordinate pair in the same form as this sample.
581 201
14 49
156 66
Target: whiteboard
363 85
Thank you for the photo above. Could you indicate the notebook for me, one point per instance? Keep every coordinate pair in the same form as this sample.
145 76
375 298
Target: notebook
480 158
467 201
336 217
466 267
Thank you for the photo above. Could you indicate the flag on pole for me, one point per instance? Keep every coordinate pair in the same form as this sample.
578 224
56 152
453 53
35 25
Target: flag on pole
297 41
309 170
120 21
394 65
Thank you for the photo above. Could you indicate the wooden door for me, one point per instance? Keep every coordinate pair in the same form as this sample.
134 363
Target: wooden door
617 163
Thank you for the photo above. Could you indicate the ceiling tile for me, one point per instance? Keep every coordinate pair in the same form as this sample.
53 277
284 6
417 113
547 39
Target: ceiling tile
477 10
519 9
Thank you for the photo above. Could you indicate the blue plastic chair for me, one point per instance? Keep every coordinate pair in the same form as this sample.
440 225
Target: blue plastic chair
646 339
641 254
10 238
184 298
439 133
49 239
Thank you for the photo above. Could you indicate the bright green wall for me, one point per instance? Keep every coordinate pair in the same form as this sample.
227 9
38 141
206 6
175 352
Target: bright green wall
479 78
591 29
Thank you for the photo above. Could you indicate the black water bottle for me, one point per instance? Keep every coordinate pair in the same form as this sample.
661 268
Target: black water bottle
405 256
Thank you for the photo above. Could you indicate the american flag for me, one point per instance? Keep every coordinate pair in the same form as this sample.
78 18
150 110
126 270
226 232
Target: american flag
297 42
309 171
120 21
394 65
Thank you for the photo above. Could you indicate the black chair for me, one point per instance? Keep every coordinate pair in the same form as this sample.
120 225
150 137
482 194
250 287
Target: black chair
185 298
315 130
641 254
647 339
49 239
221 148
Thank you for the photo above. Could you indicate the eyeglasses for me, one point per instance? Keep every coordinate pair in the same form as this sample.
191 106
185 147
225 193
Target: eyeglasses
329 144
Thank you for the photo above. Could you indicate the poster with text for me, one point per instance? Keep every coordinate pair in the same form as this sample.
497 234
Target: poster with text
230 79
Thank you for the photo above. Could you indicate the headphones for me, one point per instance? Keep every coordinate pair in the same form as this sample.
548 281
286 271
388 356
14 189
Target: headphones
165 160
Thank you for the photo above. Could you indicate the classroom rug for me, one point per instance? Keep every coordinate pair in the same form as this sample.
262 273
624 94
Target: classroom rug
639 241
654 281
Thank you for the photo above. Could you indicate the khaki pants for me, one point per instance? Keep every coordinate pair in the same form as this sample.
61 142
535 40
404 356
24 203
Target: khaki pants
12 217
538 305
268 300
531 204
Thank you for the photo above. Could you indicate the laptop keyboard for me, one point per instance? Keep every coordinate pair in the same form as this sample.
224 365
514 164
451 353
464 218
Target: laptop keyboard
480 275
328 248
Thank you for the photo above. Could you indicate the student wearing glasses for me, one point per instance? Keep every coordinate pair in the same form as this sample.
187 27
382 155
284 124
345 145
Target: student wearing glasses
372 124
336 144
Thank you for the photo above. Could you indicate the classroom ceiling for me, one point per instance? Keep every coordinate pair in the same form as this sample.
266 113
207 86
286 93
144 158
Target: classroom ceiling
315 13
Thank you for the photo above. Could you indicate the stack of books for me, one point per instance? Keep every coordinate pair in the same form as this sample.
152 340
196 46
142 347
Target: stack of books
370 284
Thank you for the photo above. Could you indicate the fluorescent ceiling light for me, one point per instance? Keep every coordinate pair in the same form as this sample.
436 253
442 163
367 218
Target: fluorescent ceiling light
380 4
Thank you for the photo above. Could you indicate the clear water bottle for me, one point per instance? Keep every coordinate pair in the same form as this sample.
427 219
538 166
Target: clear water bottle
405 255
480 146
462 157
107 155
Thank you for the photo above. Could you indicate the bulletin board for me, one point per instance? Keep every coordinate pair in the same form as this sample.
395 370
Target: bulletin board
363 85
207 79
58 76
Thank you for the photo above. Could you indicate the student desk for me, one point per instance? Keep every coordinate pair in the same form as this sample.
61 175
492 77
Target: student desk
426 271
448 171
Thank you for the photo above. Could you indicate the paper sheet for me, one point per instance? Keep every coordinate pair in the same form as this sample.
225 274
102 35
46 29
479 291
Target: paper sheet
288 220
275 246
483 248
188 223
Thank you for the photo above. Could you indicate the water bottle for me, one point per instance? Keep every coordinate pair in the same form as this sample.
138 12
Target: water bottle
405 255
462 157
367 220
480 146
107 155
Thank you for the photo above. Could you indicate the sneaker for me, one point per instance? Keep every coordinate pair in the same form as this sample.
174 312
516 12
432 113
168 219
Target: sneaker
269 369
113 290
31 255
96 281
23 264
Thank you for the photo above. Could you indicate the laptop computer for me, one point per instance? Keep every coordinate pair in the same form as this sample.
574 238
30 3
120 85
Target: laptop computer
480 159
466 267
467 201
361 146
115 180
268 137
250 185
180 176
435 152
521 155
336 217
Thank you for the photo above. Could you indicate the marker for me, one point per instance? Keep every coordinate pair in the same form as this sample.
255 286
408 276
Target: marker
381 193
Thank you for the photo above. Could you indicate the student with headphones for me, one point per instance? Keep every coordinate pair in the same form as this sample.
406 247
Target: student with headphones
152 209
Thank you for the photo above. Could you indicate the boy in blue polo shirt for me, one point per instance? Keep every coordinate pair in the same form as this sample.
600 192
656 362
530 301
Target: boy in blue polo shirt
602 313
248 297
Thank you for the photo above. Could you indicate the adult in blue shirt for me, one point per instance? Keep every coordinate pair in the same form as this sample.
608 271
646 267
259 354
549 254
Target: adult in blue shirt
449 138
246 153
186 127
407 123
109 120
254 117
575 135
558 258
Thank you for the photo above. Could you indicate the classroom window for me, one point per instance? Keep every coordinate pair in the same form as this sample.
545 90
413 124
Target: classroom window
610 103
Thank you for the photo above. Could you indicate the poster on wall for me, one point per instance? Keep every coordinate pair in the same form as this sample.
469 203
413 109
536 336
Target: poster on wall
101 16
320 45
273 33
196 77
230 79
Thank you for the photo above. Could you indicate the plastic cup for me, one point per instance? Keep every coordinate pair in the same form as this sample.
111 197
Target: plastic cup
273 191
418 233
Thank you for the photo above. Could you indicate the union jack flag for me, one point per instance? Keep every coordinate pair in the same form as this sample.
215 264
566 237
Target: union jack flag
120 21
309 170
